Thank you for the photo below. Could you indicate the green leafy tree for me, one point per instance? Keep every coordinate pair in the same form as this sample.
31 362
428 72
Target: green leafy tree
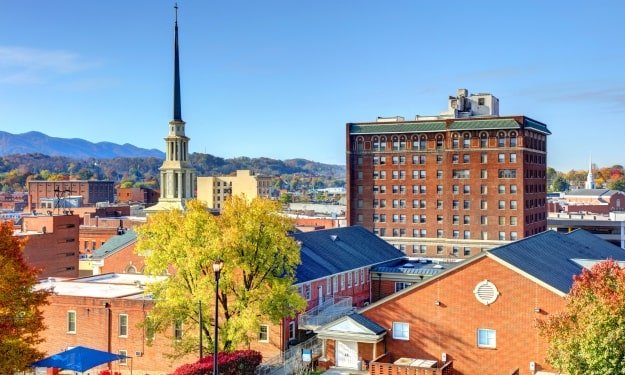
256 282
21 318
617 184
589 336
285 198
559 184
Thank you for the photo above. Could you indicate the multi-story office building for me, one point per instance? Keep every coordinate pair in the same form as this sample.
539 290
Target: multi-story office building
214 190
50 195
449 185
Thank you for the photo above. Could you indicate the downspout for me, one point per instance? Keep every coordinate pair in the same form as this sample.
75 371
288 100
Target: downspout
107 307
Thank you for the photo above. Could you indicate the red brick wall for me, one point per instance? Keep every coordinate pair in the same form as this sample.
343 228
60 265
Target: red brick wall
54 252
452 326
93 331
120 261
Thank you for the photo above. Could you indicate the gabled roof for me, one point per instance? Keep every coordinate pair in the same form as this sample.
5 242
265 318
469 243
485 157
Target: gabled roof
331 251
353 327
114 244
548 257
596 193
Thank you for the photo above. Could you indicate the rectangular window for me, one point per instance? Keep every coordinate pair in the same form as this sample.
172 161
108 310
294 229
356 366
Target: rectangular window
467 251
502 205
328 286
466 158
513 220
307 293
513 158
263 333
483 173
123 360
455 158
178 330
483 220
439 249
349 279
484 158
466 189
513 189
362 275
401 331
123 325
486 338
401 285
466 219
439 174
291 330
502 236
467 235
466 204
439 233
483 189
455 204
513 205
439 159
483 205
460 173
507 173
502 189
439 189
342 281
335 284
502 220
501 158
71 322
513 236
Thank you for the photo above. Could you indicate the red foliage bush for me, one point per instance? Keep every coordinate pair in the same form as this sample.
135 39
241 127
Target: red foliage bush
239 362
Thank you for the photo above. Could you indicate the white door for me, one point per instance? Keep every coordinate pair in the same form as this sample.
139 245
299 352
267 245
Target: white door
320 295
346 354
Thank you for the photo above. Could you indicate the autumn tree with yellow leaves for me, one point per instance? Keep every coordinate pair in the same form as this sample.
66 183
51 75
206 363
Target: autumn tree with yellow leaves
256 283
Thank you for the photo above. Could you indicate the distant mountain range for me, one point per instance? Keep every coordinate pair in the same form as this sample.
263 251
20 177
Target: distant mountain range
36 142
34 151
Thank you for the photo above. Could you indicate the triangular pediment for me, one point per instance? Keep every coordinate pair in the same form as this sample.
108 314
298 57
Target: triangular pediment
347 326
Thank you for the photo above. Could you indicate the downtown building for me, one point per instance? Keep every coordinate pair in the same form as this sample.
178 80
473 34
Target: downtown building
451 185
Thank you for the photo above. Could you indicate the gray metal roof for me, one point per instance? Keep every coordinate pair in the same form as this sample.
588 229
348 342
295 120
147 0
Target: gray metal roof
331 251
115 244
414 267
592 192
548 256
367 323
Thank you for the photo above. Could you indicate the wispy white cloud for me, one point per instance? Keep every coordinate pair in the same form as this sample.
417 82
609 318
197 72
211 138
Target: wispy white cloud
21 65
611 97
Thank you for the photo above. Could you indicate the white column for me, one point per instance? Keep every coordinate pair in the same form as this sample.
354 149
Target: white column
179 185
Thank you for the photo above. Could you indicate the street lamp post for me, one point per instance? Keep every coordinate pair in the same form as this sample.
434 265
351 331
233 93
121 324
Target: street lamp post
217 266
200 319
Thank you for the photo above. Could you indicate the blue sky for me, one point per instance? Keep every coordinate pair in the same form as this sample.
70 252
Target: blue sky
281 78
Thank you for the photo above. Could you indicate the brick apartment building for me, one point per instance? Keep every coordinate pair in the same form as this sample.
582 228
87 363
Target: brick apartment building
449 185
479 316
51 243
91 192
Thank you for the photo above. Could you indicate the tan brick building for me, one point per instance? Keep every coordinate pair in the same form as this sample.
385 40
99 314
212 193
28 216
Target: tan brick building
448 186
214 190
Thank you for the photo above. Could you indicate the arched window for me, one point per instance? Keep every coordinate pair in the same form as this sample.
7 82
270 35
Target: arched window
466 140
131 269
376 143
383 143
422 142
513 142
360 144
439 142
455 142
402 142
483 139
501 139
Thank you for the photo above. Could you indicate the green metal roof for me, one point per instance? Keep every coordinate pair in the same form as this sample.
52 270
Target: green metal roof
114 244
539 126
441 125
504 123
397 127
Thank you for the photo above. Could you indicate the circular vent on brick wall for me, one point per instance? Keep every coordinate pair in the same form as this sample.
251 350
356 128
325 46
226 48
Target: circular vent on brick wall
486 292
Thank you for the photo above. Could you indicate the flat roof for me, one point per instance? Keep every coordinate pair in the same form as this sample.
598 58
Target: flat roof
111 285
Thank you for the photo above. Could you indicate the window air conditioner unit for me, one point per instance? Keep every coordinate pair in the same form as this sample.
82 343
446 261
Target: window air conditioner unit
138 354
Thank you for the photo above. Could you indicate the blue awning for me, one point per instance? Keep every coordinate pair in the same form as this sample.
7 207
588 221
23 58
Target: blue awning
79 358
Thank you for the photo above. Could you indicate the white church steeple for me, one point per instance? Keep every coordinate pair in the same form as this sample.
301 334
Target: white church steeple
590 178
177 175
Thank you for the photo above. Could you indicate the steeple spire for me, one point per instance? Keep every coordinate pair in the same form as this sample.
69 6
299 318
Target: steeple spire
177 111
590 179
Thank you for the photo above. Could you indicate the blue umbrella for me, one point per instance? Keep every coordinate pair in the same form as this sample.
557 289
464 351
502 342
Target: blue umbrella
79 358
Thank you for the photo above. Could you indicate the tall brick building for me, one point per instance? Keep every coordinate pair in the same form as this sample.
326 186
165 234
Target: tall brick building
449 185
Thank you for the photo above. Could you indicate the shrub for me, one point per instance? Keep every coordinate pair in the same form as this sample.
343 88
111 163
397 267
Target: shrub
239 362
